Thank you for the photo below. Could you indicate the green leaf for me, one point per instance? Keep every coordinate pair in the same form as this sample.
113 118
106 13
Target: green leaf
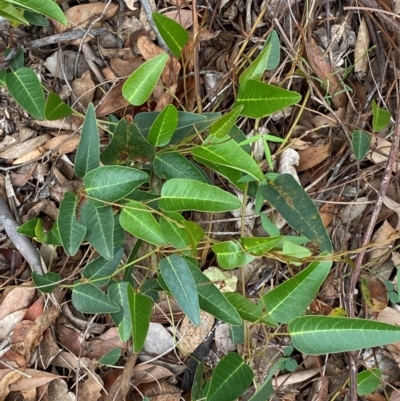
174 34
141 308
100 270
99 223
259 246
295 252
174 231
176 274
195 233
291 298
268 59
380 117
87 298
249 311
368 381
319 335
197 388
140 222
9 12
230 379
292 202
112 183
227 153
71 232
140 84
118 293
260 99
35 19
231 255
88 152
164 126
173 165
34 229
179 194
46 282
223 126
111 358
48 8
25 88
56 108
360 142
211 299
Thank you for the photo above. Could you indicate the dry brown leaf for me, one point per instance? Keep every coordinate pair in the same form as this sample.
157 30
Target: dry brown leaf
182 17
395 207
37 378
7 378
380 253
84 15
147 48
314 155
18 298
327 212
180 3
374 293
192 336
62 144
8 323
223 338
354 209
112 102
58 390
149 373
162 391
296 377
167 98
361 49
325 71
84 88
30 156
380 152
91 388
23 148
123 68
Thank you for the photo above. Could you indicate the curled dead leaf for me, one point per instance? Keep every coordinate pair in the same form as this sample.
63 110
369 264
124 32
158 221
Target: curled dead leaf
314 155
361 49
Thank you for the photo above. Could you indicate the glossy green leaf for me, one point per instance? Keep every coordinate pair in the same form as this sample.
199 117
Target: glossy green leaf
259 246
24 86
164 126
140 84
291 298
360 142
211 299
179 194
320 335
127 143
56 108
71 232
222 127
46 7
99 223
34 229
100 270
174 231
88 152
53 236
46 282
141 308
87 298
9 12
197 387
231 378
35 19
227 153
292 202
248 310
176 274
296 253
260 99
140 222
173 165
174 34
111 183
231 255
118 293
195 233
380 117
368 381
268 59
111 358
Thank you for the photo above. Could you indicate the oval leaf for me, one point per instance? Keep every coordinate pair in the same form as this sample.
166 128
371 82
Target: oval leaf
360 142
111 183
164 126
180 194
174 34
176 274
25 88
87 298
46 282
141 308
71 232
231 255
117 292
319 335
139 221
46 7
380 117
260 99
230 379
291 298
138 87
259 246
286 195
56 108
368 381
